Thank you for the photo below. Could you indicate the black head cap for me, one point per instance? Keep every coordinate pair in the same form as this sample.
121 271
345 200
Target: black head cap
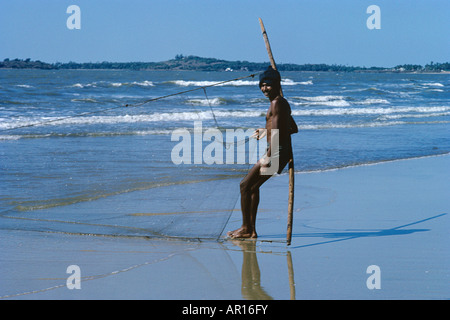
270 76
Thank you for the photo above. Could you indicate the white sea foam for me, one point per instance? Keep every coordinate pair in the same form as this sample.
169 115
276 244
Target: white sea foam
364 125
289 82
383 114
332 101
106 84
10 137
433 84
367 111
144 83
84 100
206 102
154 117
320 98
237 83
390 113
373 101
422 115
350 125
185 83
87 134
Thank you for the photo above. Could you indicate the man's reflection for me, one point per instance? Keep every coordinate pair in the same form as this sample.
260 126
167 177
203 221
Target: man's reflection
251 288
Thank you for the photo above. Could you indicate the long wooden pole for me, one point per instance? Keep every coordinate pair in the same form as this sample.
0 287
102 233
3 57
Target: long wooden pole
269 49
291 161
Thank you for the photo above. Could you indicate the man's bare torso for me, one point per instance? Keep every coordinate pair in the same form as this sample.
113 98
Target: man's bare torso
280 108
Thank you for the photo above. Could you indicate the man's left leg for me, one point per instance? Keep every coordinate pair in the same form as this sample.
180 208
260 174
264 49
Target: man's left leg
249 203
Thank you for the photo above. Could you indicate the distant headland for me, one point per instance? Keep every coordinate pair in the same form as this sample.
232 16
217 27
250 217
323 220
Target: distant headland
194 63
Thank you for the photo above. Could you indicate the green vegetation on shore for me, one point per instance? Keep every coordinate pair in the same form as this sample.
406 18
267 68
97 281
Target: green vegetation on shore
195 63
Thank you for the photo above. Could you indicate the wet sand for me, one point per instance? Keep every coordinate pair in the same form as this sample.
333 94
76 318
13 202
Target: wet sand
393 215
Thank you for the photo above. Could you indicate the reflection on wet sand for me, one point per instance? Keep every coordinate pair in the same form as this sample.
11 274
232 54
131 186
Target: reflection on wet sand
251 287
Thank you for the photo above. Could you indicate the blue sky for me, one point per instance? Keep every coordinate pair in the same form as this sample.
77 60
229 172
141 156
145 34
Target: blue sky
300 31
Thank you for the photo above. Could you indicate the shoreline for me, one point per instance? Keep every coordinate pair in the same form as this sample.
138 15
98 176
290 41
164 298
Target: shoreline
370 163
391 214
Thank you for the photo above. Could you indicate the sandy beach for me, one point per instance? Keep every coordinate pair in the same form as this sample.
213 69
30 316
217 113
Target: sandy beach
393 215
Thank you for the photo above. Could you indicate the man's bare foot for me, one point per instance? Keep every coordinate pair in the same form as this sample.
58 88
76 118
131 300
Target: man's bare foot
242 233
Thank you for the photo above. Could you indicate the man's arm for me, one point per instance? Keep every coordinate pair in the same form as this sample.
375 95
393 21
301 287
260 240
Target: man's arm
293 128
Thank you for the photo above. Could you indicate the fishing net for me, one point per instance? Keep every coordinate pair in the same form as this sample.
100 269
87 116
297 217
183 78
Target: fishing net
180 182
181 201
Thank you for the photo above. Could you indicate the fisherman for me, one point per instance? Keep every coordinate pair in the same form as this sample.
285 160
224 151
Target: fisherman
279 126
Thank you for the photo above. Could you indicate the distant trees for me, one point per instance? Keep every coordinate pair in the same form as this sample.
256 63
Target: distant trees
181 62
431 67
437 66
103 65
25 64
408 67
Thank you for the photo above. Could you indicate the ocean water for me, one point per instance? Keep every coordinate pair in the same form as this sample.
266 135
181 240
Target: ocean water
68 142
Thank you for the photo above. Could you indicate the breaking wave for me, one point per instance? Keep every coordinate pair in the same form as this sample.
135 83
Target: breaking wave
389 113
106 84
433 84
154 117
237 83
334 101
368 111
207 102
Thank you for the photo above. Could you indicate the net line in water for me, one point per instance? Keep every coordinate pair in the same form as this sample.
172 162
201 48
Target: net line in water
138 104
193 201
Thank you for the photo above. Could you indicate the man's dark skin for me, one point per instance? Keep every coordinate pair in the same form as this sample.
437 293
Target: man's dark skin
278 117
